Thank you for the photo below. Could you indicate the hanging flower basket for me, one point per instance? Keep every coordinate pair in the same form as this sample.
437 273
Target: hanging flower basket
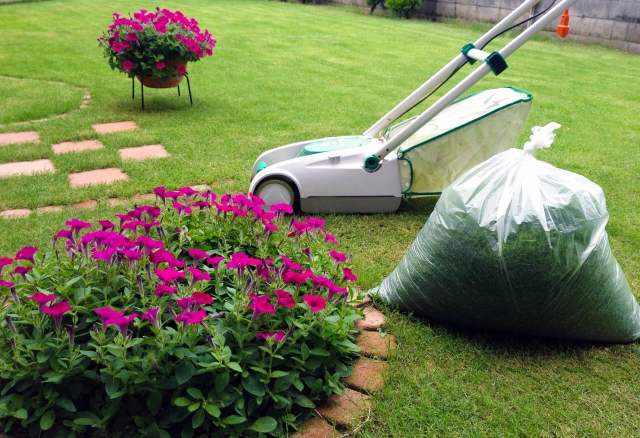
156 45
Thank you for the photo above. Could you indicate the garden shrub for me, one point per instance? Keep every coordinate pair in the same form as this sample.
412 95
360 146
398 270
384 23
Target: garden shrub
404 8
199 316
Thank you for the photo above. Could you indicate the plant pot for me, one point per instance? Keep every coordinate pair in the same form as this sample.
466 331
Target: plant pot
151 82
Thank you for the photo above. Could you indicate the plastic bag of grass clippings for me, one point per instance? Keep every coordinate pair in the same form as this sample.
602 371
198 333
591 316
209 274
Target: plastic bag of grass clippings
518 245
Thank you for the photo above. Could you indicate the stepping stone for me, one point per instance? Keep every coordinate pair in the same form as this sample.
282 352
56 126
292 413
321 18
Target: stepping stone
49 209
76 146
143 152
372 344
143 197
373 319
26 168
94 177
18 137
200 188
347 410
115 202
106 128
85 205
367 375
15 214
316 428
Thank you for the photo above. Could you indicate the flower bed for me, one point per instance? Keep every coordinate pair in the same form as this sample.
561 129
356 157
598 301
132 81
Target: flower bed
199 316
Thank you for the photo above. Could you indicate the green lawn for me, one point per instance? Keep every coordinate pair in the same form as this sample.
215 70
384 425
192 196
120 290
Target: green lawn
287 72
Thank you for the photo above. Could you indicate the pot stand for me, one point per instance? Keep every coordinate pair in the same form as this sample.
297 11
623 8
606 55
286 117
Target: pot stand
133 89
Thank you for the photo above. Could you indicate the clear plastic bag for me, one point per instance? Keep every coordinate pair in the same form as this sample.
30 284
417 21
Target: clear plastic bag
516 244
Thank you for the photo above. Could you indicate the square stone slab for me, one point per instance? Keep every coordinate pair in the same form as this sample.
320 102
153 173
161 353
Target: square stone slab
76 146
106 128
26 168
18 137
143 152
94 177
15 214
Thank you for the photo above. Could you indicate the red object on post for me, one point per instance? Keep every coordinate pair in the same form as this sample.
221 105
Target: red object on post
563 27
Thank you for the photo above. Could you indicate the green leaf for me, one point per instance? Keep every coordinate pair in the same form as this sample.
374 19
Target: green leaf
283 383
184 371
222 380
154 401
304 351
72 281
86 419
47 420
276 374
304 401
253 385
197 419
42 356
213 410
193 407
320 352
234 419
182 401
111 385
264 424
187 431
234 366
21 414
66 404
194 392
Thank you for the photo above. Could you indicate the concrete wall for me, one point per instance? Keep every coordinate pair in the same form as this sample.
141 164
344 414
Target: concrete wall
608 22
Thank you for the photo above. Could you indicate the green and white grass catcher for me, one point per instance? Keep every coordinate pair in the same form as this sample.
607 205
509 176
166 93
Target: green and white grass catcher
372 172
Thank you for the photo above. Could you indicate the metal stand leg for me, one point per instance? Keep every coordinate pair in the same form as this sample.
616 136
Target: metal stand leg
142 89
133 89
178 90
189 86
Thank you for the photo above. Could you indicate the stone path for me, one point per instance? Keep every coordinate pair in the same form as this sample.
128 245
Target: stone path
80 179
347 412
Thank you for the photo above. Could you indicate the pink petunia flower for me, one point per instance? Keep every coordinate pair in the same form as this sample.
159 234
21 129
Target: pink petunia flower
337 290
6 284
348 275
181 69
108 313
56 311
278 336
186 303
261 304
198 275
202 298
164 289
215 262
338 256
285 299
192 317
106 225
42 299
329 238
168 275
132 36
5 261
197 255
21 270
315 302
127 65
27 254
151 315
122 322
160 65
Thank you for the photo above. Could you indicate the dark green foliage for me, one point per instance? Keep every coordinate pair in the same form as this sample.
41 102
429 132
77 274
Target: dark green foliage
404 8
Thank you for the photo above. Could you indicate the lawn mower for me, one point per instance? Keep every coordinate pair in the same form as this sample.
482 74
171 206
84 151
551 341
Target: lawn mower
420 156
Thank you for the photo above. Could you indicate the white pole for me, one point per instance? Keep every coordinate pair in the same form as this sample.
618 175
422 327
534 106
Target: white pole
441 75
471 80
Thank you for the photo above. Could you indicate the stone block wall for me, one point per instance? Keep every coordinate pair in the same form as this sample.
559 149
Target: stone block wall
608 22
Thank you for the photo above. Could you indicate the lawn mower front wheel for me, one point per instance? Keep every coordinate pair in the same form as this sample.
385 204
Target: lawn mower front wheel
277 191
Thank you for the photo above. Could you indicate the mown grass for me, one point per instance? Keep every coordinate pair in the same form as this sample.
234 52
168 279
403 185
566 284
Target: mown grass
287 72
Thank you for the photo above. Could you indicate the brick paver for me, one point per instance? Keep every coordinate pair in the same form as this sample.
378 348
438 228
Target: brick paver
143 152
85 205
94 177
106 128
76 146
19 137
26 168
